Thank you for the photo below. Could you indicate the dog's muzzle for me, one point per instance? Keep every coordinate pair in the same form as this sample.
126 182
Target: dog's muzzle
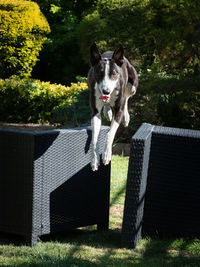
105 92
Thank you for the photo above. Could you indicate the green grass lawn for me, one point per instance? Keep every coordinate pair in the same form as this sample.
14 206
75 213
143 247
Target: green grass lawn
87 247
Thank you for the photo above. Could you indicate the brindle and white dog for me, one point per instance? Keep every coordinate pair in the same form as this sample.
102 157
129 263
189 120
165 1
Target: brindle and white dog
112 81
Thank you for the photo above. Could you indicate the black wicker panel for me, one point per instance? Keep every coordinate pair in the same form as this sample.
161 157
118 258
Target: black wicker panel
136 186
169 180
16 181
172 205
46 182
82 200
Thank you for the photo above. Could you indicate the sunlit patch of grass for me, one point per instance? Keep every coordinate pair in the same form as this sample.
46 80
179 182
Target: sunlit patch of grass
119 170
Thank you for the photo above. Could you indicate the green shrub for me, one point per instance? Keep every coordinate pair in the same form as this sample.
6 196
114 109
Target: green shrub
22 33
160 100
167 101
75 114
30 100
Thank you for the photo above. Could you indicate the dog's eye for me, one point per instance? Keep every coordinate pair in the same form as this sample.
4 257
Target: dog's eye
114 76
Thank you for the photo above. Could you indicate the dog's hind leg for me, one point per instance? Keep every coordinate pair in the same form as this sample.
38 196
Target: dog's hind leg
130 91
107 111
126 117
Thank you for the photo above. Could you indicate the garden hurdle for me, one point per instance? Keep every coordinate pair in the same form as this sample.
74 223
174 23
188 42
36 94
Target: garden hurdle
163 185
46 182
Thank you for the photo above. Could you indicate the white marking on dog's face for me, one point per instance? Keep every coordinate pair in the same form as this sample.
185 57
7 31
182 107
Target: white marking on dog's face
99 104
109 78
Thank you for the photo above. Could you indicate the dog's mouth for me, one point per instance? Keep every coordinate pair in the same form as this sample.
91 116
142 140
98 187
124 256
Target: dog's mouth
105 98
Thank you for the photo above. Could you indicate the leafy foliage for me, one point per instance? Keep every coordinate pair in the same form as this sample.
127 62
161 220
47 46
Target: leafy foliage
74 114
158 34
165 100
22 33
160 100
161 38
60 60
30 100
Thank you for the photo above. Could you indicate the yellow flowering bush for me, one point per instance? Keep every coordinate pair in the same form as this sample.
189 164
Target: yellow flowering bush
22 33
30 100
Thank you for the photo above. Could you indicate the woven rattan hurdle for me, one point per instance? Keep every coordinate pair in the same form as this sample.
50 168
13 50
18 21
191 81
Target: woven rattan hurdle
46 182
163 186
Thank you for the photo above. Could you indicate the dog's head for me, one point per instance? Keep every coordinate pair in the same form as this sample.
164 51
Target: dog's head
107 69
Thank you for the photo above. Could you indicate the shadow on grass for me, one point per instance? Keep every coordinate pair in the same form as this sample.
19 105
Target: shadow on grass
75 248
7 239
89 237
93 238
160 252
117 196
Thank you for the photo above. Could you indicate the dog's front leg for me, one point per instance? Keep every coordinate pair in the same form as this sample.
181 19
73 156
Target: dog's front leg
109 141
96 127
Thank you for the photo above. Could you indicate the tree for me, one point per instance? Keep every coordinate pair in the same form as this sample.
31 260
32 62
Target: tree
161 34
22 33
60 60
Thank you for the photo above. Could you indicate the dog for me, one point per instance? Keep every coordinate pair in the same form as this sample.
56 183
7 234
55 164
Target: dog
112 80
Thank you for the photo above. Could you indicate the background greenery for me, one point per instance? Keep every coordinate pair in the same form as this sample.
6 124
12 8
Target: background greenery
61 60
168 101
159 35
42 80
161 39
29 100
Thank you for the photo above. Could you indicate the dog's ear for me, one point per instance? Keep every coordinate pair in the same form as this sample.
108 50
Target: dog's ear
95 56
118 55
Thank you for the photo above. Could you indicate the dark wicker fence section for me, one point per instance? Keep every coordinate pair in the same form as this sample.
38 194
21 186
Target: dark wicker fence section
47 185
163 187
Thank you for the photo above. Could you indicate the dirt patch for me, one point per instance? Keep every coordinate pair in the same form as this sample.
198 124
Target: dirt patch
181 253
27 126
121 149
117 209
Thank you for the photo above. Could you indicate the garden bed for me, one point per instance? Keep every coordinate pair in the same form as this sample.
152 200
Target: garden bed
27 126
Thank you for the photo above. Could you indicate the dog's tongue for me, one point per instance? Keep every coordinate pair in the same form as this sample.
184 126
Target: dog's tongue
104 97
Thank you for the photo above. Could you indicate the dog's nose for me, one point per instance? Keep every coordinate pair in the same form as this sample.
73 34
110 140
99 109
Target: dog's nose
105 92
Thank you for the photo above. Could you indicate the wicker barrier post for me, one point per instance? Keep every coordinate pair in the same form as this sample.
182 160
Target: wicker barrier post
47 185
163 187
136 186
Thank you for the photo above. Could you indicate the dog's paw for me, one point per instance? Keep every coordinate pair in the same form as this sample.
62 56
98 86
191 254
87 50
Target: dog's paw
126 119
95 162
133 90
107 156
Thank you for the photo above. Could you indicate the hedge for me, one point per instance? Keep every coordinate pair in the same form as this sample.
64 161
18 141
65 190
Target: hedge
31 100
160 100
22 33
165 100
